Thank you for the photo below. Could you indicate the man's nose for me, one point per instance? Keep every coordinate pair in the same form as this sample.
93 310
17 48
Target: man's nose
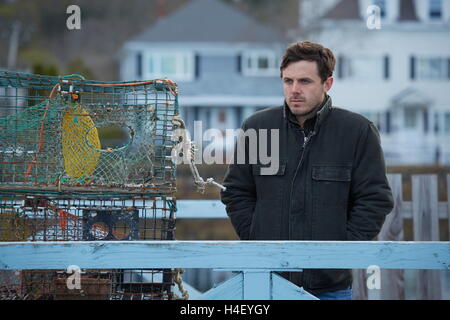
296 88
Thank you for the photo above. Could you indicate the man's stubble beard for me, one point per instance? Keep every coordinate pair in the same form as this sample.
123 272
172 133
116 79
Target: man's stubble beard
307 113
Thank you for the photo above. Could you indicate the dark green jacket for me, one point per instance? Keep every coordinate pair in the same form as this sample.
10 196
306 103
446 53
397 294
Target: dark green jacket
330 186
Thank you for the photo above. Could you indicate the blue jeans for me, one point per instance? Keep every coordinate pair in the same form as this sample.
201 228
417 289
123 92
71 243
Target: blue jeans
344 294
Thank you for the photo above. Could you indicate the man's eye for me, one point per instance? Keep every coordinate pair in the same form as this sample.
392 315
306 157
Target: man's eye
288 81
305 81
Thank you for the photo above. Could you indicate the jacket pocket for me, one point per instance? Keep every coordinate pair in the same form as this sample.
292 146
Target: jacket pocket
330 197
331 183
332 173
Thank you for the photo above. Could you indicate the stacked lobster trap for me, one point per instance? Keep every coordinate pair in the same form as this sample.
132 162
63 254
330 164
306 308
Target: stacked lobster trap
83 161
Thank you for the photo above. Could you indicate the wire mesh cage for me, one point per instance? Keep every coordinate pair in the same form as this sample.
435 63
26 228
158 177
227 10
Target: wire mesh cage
31 218
84 160
57 135
112 284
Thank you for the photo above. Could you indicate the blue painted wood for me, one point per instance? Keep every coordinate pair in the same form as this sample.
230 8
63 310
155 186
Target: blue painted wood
193 292
232 289
201 209
257 285
234 255
189 209
283 289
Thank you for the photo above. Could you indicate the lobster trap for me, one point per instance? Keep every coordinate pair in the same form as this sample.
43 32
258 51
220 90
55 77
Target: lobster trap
31 218
61 135
85 161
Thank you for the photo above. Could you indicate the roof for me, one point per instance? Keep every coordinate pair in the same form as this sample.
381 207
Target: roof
350 10
208 21
411 97
344 10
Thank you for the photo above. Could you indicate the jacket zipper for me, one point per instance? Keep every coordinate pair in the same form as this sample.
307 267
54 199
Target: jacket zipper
305 141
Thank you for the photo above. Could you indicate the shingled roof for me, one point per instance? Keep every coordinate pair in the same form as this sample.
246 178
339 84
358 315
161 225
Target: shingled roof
208 21
349 10
344 10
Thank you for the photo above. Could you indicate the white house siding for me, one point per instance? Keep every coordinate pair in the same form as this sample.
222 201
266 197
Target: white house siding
376 96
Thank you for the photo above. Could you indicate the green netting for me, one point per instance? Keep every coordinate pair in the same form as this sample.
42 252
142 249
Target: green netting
60 134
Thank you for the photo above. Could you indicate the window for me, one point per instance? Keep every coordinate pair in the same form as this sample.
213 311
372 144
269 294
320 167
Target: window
382 5
259 63
363 68
432 68
448 68
412 68
139 64
436 122
435 9
388 128
386 67
222 117
425 121
447 123
410 118
176 66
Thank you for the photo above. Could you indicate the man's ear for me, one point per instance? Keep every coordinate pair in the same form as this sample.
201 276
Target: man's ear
328 83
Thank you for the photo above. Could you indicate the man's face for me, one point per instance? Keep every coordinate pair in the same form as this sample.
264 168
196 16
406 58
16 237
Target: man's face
303 89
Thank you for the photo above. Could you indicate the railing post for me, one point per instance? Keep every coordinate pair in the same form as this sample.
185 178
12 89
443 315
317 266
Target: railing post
392 281
448 202
257 284
426 228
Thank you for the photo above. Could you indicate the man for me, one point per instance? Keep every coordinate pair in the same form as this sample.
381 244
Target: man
331 180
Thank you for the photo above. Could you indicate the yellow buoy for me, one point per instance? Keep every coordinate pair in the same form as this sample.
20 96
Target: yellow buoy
80 143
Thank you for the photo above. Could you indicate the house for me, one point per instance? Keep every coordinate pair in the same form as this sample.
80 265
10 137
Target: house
393 66
226 64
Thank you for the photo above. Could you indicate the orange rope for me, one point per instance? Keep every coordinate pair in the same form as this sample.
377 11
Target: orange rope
169 82
41 134
64 215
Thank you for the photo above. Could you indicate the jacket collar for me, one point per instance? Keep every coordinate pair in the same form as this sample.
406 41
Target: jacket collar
314 122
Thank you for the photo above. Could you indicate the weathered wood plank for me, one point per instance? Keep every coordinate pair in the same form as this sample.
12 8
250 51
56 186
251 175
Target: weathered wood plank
392 281
234 255
426 228
359 286
257 285
201 209
273 287
232 289
425 207
210 209
448 203
283 289
216 209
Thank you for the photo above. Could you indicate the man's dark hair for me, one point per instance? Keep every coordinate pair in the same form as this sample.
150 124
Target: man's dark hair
310 51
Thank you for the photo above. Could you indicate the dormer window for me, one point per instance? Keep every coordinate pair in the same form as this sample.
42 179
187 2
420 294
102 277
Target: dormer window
178 66
259 63
382 5
435 9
